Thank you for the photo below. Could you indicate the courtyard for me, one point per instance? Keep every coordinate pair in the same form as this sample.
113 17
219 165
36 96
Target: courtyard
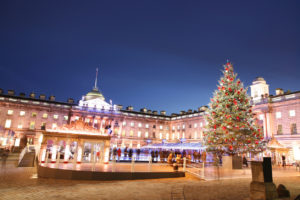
23 183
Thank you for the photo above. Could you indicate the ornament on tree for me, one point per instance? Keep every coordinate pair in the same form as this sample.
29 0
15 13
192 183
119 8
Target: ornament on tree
227 133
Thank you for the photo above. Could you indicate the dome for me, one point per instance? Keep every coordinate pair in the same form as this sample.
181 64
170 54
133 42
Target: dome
94 94
259 79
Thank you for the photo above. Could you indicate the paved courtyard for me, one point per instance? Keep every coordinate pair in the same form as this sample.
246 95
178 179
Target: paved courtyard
22 183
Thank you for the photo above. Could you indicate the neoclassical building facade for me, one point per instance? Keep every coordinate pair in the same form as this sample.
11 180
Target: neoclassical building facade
24 119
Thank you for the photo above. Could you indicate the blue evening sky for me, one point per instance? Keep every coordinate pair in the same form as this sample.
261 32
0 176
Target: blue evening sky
162 55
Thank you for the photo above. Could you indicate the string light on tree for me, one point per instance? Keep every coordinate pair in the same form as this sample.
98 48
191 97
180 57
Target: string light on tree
231 126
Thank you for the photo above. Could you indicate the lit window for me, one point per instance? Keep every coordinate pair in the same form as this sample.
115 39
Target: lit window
183 135
173 128
20 126
160 135
195 125
178 136
10 112
95 121
139 125
132 124
43 127
173 136
131 133
87 120
45 115
261 117
147 125
139 133
32 125
195 135
160 127
178 127
54 126
294 128
124 123
33 114
146 135
67 117
22 113
292 113
123 133
167 136
8 123
278 115
183 126
76 118
55 116
201 124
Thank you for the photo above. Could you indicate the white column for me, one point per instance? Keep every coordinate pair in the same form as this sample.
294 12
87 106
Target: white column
265 126
43 155
67 152
106 152
54 151
79 154
269 134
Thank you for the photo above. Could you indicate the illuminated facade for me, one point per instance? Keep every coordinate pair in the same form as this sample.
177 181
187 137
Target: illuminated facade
23 119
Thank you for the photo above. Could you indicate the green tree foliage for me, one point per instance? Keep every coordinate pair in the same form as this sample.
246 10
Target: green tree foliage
231 125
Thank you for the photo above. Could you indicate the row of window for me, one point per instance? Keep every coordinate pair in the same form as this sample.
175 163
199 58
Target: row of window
8 123
293 129
34 114
161 135
292 113
161 127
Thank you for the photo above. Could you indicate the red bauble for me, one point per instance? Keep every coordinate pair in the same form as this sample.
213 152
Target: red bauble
215 126
230 90
226 94
226 69
256 142
230 148
238 118
224 128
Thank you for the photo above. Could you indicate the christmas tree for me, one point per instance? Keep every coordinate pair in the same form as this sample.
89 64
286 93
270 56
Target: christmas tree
231 125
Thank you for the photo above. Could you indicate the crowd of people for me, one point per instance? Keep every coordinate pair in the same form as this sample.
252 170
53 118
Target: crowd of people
158 155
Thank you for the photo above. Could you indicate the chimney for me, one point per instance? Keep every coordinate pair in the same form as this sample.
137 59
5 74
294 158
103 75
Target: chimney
163 112
1 91
190 111
182 112
11 92
42 97
173 115
154 112
120 107
32 95
130 108
144 110
70 101
22 94
149 111
52 98
279 91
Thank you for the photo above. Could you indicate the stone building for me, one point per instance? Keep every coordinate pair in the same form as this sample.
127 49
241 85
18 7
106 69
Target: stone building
23 119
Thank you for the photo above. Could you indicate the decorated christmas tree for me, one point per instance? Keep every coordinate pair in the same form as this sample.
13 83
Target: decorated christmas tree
231 125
